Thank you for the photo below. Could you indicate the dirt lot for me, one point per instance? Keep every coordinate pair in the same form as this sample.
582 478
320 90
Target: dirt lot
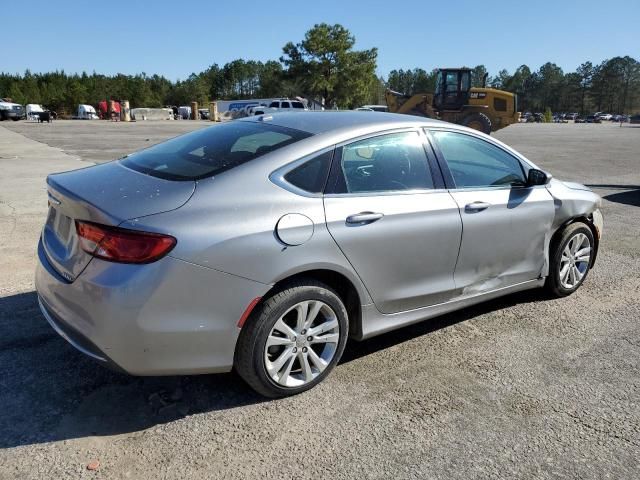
521 387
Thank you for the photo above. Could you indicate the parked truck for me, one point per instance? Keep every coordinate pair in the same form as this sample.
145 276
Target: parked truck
10 110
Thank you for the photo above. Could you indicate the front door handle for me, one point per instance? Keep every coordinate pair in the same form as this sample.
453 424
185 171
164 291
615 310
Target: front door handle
363 218
476 206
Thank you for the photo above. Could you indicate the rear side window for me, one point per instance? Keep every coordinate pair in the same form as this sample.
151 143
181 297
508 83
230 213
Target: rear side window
297 105
212 150
311 176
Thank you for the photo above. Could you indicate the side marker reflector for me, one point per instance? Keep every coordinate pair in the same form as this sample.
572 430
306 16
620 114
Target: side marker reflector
248 311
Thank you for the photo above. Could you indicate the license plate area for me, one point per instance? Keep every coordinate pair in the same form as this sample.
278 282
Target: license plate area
60 224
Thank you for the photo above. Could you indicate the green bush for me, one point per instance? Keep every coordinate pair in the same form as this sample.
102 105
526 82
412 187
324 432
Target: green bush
548 116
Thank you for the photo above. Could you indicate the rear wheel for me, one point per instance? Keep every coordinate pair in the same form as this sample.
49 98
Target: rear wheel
570 259
293 340
477 121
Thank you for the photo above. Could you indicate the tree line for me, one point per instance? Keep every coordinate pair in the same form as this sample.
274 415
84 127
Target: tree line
611 86
325 66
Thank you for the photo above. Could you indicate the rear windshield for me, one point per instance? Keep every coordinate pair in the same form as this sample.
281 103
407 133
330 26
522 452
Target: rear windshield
213 150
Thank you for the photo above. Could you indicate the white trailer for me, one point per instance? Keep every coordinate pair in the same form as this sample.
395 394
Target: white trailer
33 111
87 112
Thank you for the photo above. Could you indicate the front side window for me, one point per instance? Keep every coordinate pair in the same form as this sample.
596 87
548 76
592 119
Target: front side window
476 163
297 105
212 150
392 162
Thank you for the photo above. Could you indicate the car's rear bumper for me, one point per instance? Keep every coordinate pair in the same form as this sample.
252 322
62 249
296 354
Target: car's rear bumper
164 318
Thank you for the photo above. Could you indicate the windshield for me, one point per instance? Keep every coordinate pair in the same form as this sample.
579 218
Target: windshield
212 150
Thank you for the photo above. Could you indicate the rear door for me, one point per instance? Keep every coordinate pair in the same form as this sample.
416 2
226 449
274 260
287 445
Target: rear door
388 211
505 223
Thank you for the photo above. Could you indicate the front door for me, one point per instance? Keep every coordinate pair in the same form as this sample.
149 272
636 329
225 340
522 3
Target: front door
400 233
505 223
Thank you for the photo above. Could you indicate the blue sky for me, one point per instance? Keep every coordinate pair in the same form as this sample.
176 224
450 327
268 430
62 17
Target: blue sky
154 37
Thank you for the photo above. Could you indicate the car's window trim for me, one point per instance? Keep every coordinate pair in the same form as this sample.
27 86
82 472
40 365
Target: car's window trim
446 172
438 181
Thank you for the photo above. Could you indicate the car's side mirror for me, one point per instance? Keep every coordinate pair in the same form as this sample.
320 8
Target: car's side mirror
537 177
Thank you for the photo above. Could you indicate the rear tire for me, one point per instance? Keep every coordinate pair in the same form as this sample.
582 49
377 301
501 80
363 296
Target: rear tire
570 258
306 325
478 121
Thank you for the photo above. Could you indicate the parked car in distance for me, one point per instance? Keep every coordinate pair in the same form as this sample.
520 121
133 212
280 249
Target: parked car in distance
260 110
579 120
265 243
375 108
10 110
286 104
593 119
635 119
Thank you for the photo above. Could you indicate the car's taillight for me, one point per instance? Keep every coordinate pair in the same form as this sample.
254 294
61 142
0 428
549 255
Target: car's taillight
122 245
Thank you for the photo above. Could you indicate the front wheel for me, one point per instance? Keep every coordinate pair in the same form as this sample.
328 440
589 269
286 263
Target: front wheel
293 340
477 121
570 259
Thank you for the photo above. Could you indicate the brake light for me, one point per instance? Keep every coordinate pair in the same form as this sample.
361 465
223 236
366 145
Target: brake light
123 245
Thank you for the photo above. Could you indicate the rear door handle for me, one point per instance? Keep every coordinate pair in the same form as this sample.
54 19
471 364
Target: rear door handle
363 218
476 206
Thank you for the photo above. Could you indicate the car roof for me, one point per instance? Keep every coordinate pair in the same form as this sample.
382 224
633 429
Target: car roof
328 121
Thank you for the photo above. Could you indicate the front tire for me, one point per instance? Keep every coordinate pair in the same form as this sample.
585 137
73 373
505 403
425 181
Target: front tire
570 260
478 121
293 340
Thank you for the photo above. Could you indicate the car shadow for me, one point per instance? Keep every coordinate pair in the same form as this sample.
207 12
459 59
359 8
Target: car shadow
629 196
50 392
356 350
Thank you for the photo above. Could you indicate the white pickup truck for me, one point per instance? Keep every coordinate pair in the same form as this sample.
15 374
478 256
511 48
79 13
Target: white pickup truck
10 110
281 105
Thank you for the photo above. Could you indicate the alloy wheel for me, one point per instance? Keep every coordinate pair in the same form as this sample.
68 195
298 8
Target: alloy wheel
301 343
575 260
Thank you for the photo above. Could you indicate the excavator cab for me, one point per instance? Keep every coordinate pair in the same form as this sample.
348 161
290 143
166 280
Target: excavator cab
452 89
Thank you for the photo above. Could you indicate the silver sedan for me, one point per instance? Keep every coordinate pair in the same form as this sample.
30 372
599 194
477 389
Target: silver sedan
264 244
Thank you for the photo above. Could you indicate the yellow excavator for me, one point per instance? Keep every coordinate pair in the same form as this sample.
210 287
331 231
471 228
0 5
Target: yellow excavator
456 101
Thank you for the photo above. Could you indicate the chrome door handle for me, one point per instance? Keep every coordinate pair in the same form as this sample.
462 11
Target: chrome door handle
363 218
476 206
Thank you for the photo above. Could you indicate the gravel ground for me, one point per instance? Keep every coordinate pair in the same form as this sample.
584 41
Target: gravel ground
520 387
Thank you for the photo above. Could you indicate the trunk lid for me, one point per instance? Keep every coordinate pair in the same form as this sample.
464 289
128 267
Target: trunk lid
107 194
